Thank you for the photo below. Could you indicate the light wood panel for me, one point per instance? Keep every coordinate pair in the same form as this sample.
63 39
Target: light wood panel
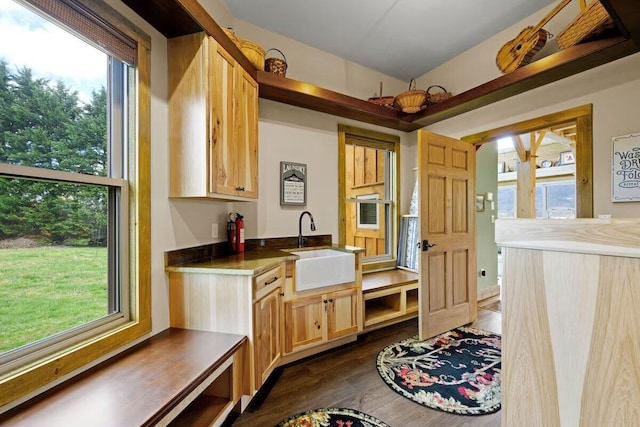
448 274
571 354
213 122
611 393
529 383
343 313
267 324
305 323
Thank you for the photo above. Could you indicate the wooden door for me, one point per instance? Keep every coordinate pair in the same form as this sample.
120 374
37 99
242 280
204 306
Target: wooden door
223 154
246 134
446 169
304 323
267 335
342 313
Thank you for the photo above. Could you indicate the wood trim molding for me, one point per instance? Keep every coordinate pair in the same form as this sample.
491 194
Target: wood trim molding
583 117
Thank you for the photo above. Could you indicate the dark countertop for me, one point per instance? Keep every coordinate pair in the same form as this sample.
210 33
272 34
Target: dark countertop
249 263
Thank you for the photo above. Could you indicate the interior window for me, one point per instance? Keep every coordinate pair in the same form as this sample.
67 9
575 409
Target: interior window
368 165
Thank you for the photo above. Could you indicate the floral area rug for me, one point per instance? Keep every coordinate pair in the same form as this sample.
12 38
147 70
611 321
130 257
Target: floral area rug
458 371
332 417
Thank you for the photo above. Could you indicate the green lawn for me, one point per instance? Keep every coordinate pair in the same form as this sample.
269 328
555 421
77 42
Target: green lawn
48 290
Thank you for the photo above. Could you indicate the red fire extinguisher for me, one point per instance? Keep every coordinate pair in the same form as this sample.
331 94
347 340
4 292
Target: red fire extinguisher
232 235
240 232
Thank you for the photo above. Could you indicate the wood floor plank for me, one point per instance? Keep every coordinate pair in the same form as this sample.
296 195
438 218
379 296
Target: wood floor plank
347 377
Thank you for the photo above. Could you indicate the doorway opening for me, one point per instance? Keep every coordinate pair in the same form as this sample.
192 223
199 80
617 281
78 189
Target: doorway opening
548 173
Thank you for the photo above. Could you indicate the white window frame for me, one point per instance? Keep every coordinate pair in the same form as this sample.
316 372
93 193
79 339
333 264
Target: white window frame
361 198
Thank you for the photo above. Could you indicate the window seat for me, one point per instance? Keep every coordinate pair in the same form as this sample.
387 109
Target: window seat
177 377
389 297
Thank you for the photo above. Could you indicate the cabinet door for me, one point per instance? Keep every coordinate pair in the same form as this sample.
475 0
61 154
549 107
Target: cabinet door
223 153
267 324
246 134
342 313
189 130
304 322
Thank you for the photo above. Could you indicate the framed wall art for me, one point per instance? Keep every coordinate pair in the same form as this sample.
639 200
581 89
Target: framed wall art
293 184
567 158
625 168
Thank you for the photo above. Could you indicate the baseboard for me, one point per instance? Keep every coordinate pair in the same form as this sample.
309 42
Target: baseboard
490 292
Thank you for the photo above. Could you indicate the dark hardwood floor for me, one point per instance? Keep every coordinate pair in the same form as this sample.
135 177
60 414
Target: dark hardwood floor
347 377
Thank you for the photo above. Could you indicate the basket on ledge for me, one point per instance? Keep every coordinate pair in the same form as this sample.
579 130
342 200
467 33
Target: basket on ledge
434 98
592 20
385 101
276 65
412 100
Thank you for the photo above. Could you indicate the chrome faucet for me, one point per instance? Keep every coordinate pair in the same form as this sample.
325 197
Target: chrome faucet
313 227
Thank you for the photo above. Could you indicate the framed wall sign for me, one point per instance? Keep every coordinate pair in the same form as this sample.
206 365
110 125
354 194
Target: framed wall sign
625 168
567 158
293 184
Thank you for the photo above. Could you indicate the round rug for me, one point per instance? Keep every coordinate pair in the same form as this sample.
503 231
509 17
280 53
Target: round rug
332 417
458 371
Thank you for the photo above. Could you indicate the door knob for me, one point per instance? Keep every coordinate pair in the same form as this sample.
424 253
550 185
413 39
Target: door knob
426 245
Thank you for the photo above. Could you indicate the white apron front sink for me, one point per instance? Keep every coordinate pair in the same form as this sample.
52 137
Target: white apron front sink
323 267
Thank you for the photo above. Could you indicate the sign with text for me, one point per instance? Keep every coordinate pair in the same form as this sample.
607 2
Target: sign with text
625 168
293 184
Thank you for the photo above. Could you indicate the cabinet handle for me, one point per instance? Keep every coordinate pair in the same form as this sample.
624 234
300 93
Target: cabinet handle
239 188
281 294
271 281
331 300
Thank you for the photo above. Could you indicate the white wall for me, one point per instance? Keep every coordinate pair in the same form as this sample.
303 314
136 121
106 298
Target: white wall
295 134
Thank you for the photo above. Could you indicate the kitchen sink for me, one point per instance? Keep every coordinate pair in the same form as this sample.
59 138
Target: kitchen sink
323 267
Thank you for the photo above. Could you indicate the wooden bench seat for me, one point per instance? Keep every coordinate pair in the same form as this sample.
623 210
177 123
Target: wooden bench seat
151 383
389 297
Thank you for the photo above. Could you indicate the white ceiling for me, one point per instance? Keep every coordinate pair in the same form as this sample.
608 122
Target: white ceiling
401 38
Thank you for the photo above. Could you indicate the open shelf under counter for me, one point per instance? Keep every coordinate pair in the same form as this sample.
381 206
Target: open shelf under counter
389 297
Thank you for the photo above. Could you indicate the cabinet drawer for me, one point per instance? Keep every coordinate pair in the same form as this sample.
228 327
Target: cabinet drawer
266 282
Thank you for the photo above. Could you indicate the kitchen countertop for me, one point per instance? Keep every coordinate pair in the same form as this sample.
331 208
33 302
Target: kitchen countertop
249 263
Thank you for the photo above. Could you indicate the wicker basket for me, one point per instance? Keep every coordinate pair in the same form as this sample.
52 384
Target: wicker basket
254 53
412 100
434 98
385 101
276 65
591 21
232 35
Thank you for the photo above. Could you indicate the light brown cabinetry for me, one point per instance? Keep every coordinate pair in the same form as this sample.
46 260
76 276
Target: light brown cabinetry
240 304
317 319
267 322
213 122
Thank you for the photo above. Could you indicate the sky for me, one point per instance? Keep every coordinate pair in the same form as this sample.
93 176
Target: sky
26 39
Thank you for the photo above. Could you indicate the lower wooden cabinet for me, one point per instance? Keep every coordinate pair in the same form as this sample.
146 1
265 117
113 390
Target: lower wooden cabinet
239 304
314 320
267 321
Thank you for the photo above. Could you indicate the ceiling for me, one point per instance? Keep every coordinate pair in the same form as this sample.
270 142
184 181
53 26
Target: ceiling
401 38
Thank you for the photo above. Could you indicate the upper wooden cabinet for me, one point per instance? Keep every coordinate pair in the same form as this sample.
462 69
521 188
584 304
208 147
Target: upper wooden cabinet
213 122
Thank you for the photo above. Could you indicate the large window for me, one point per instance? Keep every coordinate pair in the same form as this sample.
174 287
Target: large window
71 131
369 193
554 199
